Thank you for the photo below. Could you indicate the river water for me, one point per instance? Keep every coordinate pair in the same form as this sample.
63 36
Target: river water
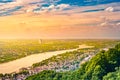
14 66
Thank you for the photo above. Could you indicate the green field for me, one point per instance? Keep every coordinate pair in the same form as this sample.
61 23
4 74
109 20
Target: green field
14 49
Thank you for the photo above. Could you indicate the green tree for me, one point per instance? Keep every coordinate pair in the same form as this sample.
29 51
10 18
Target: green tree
98 73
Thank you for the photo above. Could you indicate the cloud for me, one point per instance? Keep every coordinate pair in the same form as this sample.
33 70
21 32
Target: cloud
118 24
109 9
59 19
74 25
111 25
52 8
62 6
55 6
31 5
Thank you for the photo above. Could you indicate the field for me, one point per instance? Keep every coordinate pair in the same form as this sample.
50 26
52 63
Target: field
14 49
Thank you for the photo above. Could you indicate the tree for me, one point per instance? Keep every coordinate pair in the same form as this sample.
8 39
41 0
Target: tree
98 73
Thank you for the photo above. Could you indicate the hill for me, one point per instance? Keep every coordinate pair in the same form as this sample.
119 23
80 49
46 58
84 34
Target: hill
103 66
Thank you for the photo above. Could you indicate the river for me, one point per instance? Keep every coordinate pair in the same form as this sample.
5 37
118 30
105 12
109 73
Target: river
14 66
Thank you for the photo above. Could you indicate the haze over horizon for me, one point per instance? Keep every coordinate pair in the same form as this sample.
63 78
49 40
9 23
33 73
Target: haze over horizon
60 19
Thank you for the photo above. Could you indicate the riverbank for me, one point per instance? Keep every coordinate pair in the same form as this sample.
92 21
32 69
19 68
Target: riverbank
15 65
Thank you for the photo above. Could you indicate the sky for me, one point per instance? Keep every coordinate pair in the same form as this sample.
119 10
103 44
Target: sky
60 19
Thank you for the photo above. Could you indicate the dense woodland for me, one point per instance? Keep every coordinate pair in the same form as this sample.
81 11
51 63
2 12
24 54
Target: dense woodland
105 65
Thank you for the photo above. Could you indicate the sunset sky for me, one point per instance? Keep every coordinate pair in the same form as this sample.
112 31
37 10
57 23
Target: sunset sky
60 19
